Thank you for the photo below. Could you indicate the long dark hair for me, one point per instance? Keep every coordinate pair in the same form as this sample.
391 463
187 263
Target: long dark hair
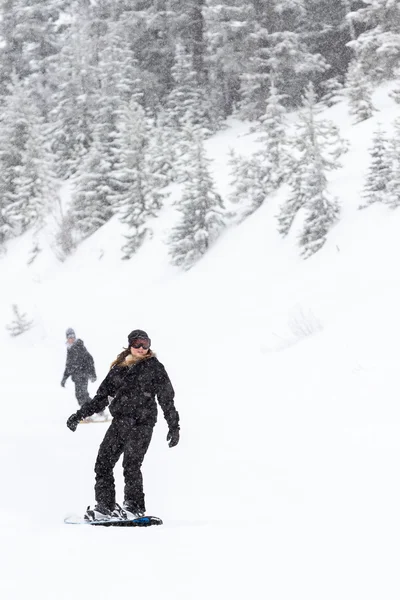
121 357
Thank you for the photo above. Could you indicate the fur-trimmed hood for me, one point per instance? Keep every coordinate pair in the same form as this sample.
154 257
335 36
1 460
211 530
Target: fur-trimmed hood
131 360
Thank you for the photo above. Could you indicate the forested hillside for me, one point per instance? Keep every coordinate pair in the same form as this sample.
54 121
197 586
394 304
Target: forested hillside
118 98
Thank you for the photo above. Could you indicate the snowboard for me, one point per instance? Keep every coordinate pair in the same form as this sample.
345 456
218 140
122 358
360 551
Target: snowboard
146 521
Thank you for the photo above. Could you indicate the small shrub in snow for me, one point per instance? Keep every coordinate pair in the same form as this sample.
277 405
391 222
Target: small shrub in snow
303 324
20 324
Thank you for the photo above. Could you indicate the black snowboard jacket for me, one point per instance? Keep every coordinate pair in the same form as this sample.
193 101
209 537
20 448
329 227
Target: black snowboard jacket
133 390
79 363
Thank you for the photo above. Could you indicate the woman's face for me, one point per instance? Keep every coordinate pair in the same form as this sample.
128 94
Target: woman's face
140 347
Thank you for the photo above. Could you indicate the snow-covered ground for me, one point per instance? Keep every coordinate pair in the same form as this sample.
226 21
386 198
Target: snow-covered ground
285 484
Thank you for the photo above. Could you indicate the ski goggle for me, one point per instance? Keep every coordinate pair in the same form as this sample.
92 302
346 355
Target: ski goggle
140 343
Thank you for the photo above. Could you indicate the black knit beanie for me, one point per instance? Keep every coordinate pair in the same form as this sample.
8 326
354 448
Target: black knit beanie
137 334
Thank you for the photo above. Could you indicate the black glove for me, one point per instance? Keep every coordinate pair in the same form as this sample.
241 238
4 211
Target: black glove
73 421
173 436
63 383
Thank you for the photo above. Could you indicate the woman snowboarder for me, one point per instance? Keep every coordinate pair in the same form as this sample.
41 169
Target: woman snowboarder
135 379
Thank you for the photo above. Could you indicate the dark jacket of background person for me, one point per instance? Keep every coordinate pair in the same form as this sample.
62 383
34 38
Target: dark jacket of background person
80 363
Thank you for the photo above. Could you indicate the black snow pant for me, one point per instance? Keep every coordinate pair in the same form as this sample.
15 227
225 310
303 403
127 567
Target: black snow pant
81 389
122 437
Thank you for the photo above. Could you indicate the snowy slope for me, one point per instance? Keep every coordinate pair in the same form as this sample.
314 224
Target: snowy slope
284 485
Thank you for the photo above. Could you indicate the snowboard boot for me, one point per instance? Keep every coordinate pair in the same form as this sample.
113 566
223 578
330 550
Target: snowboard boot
98 513
118 514
133 511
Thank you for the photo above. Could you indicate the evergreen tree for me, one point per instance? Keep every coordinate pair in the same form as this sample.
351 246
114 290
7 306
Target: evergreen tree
73 116
91 205
227 25
26 180
162 151
153 27
393 184
186 103
317 148
14 132
358 90
118 82
273 135
191 32
201 208
379 172
332 91
250 182
328 30
395 93
12 57
36 183
139 196
279 47
323 212
256 177
297 200
64 242
255 78
31 42
378 47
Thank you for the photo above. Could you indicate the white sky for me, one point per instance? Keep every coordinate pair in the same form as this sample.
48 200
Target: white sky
285 483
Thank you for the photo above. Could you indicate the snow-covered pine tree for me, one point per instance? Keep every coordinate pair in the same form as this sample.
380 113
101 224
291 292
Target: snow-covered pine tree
254 80
201 207
296 200
152 29
14 132
64 242
327 31
37 187
349 17
322 212
30 34
227 24
359 91
272 139
186 103
379 171
190 16
332 91
97 184
317 148
20 323
393 186
378 46
91 205
26 181
395 93
256 177
279 46
162 151
139 195
73 116
250 183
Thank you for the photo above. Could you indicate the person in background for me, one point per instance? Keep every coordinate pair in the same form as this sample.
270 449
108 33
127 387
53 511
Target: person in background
79 366
135 379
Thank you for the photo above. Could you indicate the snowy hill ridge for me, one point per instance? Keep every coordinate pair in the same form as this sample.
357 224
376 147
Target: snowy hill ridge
98 255
286 374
